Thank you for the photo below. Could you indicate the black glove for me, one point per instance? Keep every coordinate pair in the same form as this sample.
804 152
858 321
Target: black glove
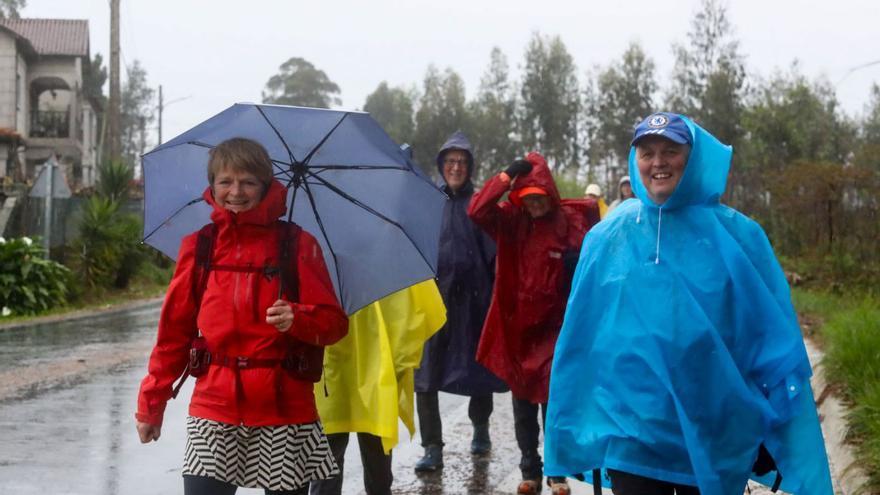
764 463
518 167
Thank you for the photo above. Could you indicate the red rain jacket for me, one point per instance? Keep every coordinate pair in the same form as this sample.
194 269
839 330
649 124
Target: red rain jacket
232 319
531 288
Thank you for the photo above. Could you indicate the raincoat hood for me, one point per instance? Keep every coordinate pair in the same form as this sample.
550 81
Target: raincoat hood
272 206
679 368
457 141
539 177
705 175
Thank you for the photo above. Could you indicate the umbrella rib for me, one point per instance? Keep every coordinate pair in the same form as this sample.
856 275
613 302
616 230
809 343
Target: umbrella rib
199 143
289 151
358 203
324 140
323 233
355 167
280 162
167 146
192 202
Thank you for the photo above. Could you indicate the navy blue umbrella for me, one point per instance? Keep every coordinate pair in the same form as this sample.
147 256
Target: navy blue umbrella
374 212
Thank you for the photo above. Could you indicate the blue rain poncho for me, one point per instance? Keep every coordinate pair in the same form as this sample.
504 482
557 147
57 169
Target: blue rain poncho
680 352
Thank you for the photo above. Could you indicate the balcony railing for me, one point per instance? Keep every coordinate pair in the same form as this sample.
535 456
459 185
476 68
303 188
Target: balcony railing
50 124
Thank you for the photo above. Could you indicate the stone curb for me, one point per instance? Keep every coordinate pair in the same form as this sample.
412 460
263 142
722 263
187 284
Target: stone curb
847 475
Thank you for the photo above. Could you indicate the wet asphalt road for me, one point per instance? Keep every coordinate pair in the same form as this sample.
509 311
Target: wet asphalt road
67 420
68 392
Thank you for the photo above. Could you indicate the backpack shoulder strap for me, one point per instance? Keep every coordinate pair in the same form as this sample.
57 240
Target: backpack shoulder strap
204 250
288 246
198 282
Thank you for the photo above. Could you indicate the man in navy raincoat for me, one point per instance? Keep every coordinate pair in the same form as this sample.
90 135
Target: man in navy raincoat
464 275
680 364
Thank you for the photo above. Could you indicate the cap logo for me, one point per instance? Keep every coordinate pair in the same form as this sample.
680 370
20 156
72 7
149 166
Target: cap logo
658 121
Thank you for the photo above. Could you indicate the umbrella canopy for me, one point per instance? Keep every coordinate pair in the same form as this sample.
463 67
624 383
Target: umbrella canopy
374 212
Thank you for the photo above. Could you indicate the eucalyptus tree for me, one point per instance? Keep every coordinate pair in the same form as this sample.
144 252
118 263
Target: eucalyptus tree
300 83
550 102
615 101
494 118
392 107
441 111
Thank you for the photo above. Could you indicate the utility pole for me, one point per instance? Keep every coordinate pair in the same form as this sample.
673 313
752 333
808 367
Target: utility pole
160 114
114 114
162 105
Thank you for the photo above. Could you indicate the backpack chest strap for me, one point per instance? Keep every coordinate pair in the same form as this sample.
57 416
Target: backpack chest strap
268 270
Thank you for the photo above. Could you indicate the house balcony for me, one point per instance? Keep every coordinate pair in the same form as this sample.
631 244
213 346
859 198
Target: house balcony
50 124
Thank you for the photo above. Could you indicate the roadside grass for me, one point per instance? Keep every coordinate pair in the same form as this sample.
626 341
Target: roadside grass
149 281
849 327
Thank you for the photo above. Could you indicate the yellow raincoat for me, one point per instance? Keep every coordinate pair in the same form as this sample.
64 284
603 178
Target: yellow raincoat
603 208
369 374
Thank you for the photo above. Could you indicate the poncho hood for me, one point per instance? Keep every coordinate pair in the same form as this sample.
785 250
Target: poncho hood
705 176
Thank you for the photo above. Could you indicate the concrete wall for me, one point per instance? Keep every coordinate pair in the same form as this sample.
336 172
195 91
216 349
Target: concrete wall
24 102
26 217
8 56
66 68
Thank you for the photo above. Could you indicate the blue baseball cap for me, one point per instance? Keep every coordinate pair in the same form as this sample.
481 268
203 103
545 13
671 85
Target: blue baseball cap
663 124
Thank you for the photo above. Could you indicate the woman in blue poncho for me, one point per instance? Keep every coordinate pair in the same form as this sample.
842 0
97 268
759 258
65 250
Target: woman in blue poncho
680 359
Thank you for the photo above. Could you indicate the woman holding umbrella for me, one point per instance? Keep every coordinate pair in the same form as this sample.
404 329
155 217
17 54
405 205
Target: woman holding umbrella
252 418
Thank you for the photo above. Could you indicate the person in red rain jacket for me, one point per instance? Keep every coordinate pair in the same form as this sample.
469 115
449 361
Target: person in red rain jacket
538 238
247 402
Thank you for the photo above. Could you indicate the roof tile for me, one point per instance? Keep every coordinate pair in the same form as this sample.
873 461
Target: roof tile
53 36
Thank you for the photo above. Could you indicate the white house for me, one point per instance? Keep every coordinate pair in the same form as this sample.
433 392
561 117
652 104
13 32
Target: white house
43 109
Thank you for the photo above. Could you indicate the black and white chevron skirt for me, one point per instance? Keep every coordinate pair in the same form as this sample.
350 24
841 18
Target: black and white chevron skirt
269 457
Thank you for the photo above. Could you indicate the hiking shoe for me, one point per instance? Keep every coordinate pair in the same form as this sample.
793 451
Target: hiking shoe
529 487
481 443
558 486
432 461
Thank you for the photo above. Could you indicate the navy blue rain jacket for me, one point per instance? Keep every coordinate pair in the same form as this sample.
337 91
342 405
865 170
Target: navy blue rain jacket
465 276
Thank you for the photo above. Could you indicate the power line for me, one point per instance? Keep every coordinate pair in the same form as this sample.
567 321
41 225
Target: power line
856 68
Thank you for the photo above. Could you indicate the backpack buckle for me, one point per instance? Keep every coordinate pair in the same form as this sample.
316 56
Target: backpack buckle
270 271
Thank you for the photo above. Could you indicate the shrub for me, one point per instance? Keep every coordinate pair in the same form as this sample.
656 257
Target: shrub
114 180
29 283
865 427
568 188
852 359
853 354
108 251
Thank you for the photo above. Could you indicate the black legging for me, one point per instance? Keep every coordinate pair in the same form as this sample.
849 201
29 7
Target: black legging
203 485
631 484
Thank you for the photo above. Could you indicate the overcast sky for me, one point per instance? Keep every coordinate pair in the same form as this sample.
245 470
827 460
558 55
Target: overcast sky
217 52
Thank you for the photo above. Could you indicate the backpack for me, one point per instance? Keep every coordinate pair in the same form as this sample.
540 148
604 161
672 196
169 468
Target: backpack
302 361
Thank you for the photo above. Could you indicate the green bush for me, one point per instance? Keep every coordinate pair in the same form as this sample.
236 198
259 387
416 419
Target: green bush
819 303
568 188
114 179
108 251
852 359
29 283
864 420
853 353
